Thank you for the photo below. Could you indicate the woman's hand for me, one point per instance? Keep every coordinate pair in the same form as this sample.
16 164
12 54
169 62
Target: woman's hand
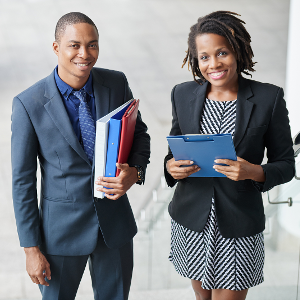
177 172
240 170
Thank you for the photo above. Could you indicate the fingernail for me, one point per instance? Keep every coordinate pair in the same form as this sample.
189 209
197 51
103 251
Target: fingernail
191 162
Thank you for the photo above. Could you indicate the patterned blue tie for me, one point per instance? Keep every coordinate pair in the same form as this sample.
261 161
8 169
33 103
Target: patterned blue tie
87 125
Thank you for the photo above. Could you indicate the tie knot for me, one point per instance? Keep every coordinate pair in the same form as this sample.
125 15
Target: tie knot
81 95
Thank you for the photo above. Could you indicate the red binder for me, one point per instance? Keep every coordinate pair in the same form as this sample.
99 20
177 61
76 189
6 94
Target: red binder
127 132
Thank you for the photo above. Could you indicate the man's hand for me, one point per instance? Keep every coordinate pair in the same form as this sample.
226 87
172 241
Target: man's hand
37 266
118 186
177 171
240 170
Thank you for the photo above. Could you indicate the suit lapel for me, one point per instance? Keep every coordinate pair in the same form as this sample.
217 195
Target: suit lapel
59 116
243 110
196 107
101 94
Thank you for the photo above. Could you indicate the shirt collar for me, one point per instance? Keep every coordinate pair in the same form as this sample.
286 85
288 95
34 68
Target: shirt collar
66 90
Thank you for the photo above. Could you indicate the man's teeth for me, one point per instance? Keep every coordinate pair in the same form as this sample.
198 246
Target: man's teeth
217 74
82 65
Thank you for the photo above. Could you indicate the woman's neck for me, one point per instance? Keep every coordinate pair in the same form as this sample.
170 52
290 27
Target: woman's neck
222 93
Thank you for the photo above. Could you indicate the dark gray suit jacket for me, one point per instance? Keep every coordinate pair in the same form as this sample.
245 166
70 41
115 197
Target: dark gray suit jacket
261 122
68 218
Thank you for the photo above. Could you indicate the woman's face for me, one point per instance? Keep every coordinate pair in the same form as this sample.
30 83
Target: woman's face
216 59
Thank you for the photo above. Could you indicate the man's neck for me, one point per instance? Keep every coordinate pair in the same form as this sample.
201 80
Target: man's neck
76 83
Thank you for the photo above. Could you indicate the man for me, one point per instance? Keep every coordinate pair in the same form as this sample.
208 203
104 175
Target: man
54 120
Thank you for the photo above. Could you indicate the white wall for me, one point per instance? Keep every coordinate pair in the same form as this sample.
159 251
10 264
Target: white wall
289 216
292 90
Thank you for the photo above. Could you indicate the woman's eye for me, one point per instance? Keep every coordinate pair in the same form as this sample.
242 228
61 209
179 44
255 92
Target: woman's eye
203 57
222 53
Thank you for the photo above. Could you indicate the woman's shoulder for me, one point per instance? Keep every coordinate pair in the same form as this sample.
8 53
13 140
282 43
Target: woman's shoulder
260 86
188 87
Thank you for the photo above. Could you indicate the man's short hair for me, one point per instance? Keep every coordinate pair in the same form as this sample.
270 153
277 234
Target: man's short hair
71 19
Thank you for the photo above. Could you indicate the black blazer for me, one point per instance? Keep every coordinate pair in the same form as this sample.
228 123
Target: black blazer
261 122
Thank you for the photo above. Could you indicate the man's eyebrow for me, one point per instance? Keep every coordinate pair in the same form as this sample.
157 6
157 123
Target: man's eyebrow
77 42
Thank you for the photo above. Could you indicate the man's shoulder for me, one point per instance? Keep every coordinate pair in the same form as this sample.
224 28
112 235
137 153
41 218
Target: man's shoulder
36 90
106 72
108 76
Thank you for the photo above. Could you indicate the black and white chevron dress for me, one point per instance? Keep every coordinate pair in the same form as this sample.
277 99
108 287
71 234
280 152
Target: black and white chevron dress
219 263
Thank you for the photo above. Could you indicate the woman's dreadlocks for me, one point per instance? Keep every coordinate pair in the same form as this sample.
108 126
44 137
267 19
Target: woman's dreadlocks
226 24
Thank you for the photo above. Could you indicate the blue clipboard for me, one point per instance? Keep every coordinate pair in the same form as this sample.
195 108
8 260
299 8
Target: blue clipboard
203 149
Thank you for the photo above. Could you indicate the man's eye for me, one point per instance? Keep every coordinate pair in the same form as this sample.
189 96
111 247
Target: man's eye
94 46
74 45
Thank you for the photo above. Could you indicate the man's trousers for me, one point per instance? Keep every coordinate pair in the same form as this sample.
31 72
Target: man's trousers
110 269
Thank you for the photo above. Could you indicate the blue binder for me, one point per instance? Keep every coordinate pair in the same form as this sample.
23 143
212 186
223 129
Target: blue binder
203 149
113 142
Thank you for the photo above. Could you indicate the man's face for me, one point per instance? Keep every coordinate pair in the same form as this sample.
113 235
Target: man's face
77 53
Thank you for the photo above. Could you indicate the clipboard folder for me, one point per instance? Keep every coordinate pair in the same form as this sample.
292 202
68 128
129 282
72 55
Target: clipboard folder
203 149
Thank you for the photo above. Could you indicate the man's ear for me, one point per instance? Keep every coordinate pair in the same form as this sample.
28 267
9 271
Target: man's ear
55 47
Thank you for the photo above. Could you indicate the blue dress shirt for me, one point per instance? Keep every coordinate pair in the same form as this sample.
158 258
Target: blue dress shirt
72 103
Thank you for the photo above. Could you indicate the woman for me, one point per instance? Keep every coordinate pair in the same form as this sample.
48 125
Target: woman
217 223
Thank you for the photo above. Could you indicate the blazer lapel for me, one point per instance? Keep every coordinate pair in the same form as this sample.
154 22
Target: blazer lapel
101 94
102 100
243 110
59 116
196 107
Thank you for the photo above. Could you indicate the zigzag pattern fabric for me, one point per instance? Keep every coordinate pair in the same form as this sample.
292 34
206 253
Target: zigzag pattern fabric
219 263
87 125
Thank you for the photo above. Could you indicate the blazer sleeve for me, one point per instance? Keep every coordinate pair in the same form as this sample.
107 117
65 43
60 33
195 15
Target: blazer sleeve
140 150
175 130
280 167
24 150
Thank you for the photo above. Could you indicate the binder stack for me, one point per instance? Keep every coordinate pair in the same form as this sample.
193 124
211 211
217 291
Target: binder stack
114 137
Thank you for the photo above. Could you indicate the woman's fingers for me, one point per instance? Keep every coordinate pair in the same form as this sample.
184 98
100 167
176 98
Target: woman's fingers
183 172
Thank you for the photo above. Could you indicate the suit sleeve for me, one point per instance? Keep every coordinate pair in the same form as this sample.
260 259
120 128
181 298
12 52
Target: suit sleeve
24 150
140 150
280 167
175 130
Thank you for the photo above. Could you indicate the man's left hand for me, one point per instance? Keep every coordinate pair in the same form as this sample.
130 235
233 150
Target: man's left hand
118 186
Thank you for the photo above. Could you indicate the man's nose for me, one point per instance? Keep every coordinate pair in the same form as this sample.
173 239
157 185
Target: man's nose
83 52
